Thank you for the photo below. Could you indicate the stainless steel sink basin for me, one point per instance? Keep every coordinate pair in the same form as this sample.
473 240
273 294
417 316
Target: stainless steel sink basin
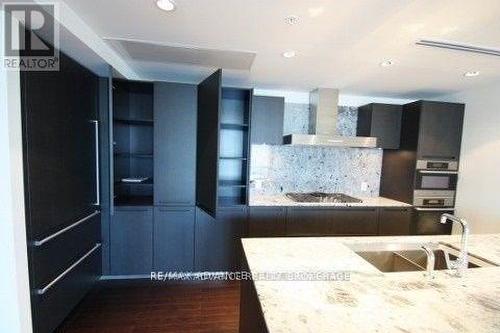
396 257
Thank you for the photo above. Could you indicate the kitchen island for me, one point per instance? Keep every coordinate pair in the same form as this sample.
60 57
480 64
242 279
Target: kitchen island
360 297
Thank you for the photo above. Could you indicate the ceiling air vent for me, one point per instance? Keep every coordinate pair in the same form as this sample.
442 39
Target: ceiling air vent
460 47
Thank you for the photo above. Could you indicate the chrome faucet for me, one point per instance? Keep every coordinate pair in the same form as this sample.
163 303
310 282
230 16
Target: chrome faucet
431 259
462 262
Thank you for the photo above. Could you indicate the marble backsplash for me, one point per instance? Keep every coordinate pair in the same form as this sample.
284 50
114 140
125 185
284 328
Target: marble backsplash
281 169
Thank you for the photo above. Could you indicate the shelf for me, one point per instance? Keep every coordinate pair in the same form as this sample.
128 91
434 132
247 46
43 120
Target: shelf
133 155
147 182
234 126
139 122
232 183
233 158
134 201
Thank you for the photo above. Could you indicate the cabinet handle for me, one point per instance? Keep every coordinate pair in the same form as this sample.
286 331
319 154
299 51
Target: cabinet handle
443 172
67 271
174 210
175 202
62 231
97 171
434 209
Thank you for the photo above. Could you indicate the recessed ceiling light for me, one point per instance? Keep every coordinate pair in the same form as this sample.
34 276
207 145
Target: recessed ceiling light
166 5
289 54
386 63
292 19
471 73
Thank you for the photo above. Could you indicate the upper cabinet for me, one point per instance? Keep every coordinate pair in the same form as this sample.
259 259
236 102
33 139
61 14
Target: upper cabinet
223 143
433 129
133 142
382 121
175 113
267 120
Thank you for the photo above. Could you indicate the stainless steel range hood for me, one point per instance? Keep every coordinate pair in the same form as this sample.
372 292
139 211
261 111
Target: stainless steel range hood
323 124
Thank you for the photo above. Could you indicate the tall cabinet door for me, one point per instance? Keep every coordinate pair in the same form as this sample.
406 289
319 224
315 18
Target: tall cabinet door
60 149
175 116
207 149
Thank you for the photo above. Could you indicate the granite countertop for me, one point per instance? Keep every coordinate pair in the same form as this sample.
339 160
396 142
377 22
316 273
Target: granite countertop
282 200
372 301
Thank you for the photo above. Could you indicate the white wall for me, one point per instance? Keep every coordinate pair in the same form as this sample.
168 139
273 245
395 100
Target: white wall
15 313
478 193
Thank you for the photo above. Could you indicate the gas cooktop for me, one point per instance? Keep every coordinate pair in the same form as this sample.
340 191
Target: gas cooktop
322 197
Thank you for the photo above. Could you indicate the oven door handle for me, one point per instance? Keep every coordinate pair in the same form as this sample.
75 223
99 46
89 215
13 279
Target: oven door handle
439 172
420 209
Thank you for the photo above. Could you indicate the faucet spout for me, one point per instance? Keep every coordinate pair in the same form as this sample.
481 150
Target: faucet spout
431 259
462 262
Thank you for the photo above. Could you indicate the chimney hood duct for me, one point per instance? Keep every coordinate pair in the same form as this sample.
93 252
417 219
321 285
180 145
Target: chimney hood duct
323 124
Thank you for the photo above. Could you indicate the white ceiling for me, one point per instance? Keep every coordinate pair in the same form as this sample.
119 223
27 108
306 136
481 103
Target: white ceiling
339 43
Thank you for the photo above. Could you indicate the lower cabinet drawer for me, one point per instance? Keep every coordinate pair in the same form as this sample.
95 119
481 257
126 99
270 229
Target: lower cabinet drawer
52 303
52 257
332 222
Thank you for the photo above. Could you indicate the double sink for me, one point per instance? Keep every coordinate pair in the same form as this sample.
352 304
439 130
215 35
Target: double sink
407 257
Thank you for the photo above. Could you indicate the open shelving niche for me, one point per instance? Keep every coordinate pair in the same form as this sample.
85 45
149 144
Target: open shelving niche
133 141
234 147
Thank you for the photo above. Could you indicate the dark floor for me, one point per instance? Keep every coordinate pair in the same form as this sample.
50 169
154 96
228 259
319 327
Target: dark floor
146 307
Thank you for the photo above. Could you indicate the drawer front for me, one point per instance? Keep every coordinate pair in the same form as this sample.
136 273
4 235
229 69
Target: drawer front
332 222
52 307
54 256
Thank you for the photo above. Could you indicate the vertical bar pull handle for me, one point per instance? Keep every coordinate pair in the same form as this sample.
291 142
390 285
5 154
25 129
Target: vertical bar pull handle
97 171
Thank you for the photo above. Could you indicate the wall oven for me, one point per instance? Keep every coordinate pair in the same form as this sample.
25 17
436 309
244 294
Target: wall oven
435 184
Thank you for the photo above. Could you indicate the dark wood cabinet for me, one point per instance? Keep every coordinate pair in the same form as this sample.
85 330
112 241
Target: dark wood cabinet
426 222
133 142
175 115
218 241
440 130
174 239
267 120
266 222
394 221
51 308
382 121
131 250
59 146
207 147
332 222
60 130
433 129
